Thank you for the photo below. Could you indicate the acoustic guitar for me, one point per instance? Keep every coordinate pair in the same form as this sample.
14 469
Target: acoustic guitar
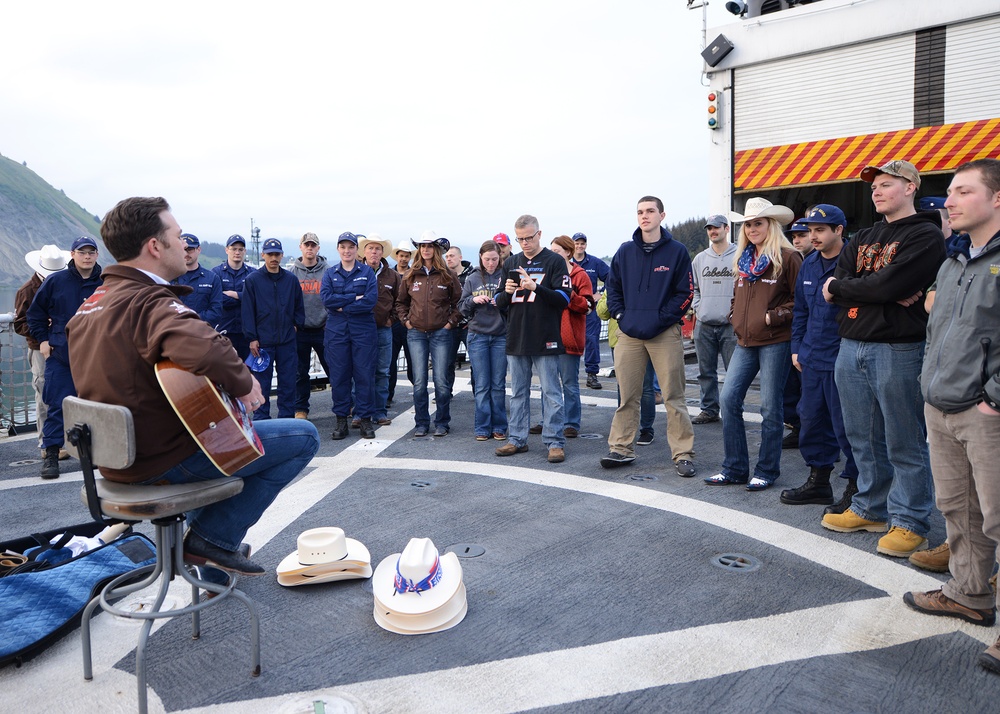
218 423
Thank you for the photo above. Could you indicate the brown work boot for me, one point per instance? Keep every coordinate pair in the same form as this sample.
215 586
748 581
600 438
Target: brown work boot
935 560
849 522
990 659
301 414
556 455
510 448
937 603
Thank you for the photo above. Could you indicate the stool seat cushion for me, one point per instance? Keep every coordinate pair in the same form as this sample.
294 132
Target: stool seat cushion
132 502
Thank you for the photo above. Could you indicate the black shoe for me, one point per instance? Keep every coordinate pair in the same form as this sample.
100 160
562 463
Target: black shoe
388 402
791 441
593 382
645 437
685 468
440 431
536 429
845 501
367 429
198 551
816 489
420 431
613 460
50 464
341 430
704 418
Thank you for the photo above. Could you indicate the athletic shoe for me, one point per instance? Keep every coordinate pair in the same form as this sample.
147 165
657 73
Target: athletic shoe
685 468
935 602
613 460
704 418
645 437
901 543
851 522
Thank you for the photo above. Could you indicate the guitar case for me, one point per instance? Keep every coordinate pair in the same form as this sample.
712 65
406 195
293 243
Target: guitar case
42 602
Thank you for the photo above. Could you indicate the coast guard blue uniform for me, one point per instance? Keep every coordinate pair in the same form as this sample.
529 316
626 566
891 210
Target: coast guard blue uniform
351 336
272 310
597 270
231 321
56 301
816 342
206 299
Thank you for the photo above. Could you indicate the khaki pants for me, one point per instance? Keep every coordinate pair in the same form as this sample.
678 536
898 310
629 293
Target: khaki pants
965 449
37 363
666 352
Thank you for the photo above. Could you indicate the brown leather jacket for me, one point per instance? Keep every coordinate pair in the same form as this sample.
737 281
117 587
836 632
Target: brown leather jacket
22 301
429 301
770 296
389 282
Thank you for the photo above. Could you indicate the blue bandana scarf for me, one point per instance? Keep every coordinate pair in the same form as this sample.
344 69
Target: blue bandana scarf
750 266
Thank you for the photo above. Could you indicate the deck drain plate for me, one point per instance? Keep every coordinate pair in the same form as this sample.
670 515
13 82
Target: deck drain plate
422 483
736 562
590 436
466 550
25 462
644 477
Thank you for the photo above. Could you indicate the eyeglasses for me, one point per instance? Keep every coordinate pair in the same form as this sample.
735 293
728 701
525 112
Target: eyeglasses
528 238
190 250
85 252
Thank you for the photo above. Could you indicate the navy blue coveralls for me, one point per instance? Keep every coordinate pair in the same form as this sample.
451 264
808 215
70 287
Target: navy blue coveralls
596 269
206 300
56 301
231 323
351 336
816 342
272 310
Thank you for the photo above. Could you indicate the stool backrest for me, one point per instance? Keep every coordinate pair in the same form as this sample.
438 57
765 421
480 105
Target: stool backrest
112 433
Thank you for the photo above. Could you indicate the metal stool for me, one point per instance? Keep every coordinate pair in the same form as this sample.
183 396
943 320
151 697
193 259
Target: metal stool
104 434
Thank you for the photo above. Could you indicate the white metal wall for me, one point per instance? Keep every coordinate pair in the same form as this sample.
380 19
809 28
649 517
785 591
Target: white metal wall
972 63
847 91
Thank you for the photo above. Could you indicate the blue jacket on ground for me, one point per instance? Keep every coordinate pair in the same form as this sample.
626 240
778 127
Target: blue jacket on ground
650 286
57 300
272 307
815 331
340 291
206 299
231 321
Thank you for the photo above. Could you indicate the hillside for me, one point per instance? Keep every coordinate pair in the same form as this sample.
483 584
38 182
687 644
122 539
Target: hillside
33 214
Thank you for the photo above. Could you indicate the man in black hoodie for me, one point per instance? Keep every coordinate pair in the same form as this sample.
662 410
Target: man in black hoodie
880 279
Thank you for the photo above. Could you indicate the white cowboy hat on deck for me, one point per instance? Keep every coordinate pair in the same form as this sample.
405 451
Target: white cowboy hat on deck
452 613
762 208
418 582
49 259
324 551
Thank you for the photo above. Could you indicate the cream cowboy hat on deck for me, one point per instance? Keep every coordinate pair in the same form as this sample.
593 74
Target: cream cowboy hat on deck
323 555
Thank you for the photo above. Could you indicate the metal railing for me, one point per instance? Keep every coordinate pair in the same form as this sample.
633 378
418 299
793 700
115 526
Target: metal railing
17 397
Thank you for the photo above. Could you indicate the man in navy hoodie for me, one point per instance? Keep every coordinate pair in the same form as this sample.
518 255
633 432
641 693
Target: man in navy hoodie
272 312
649 289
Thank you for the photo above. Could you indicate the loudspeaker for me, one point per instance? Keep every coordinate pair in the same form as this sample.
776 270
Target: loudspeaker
717 51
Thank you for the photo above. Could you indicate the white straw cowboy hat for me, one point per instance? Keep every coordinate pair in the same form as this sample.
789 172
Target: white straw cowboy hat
49 259
404 246
418 580
762 208
320 574
452 613
376 238
324 551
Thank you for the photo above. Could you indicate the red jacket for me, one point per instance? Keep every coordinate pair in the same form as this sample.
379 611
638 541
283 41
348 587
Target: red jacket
574 318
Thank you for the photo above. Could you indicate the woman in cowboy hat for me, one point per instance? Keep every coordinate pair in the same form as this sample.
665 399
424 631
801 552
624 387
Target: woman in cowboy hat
766 266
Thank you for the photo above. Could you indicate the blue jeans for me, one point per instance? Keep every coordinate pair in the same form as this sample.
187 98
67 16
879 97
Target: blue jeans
883 412
520 367
710 341
592 346
773 363
289 445
383 356
437 345
307 340
489 361
569 375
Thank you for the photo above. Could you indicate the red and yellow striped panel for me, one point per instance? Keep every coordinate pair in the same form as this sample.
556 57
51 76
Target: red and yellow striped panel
929 148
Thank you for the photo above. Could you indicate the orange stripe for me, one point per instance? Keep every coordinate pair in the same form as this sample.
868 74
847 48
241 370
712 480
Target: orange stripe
936 148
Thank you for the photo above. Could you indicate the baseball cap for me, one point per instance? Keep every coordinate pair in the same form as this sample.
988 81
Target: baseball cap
580 236
260 363
929 203
716 221
824 213
191 239
271 245
798 227
348 237
84 242
235 238
898 167
309 238
501 239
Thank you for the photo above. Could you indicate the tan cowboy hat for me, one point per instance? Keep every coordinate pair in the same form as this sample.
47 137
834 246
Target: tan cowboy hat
418 580
762 208
376 238
441 619
404 246
319 574
322 551
49 259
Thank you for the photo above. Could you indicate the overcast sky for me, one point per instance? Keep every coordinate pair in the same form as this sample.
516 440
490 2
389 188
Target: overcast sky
375 117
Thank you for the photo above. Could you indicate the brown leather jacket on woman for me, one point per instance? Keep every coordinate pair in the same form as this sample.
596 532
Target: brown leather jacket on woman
429 301
770 296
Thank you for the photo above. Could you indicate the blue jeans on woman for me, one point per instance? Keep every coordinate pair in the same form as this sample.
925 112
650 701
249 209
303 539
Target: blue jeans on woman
488 357
773 363
437 345
289 445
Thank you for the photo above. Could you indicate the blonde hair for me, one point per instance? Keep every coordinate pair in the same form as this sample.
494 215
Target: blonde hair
772 246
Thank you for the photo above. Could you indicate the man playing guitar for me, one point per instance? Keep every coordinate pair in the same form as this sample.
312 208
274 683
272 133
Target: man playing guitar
137 320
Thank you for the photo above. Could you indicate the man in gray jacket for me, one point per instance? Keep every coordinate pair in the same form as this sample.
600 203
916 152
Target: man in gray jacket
309 270
712 270
960 382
